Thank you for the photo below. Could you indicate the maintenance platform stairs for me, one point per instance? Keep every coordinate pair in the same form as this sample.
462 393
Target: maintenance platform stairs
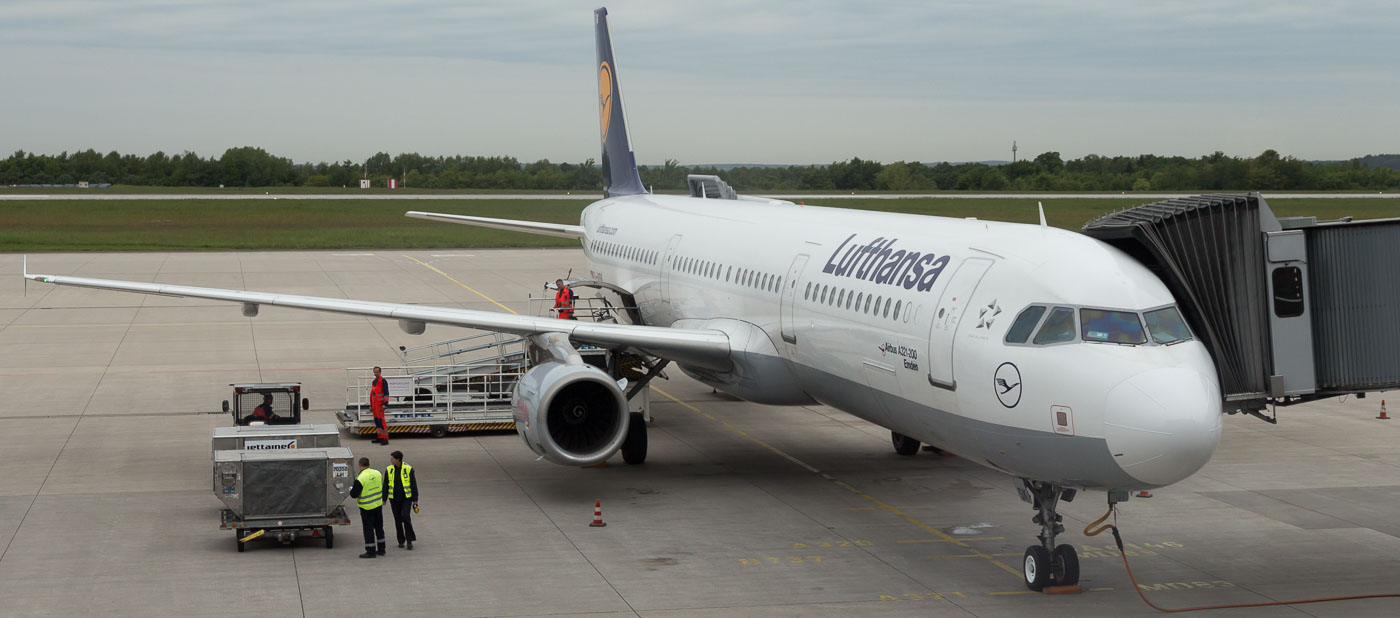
458 385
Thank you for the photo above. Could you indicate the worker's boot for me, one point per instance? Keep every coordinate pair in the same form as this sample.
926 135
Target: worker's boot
368 554
410 546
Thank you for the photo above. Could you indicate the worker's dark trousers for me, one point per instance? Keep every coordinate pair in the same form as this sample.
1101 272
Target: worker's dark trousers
372 521
403 520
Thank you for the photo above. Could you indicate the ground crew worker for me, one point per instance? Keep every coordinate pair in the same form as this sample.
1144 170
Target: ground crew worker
378 397
403 497
564 300
369 490
261 413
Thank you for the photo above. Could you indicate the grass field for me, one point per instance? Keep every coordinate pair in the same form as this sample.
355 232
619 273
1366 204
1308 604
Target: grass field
200 225
289 190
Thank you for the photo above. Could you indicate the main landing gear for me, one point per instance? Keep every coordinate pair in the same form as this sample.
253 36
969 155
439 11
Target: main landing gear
1047 564
904 445
634 446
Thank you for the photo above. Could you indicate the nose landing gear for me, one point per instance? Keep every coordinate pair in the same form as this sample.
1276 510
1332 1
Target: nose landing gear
1047 564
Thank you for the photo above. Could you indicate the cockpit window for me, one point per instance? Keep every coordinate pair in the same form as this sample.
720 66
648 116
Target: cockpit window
1166 325
1111 326
1058 328
1025 323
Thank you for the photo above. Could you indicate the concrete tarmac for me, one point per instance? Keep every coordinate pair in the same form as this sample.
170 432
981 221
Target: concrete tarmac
741 510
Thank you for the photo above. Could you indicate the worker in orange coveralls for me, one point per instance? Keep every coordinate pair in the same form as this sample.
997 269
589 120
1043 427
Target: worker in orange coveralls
564 300
378 396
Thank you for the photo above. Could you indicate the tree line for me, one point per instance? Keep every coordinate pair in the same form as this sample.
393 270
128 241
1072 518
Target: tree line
255 167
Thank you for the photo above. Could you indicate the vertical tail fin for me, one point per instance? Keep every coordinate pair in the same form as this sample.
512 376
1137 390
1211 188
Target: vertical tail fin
619 163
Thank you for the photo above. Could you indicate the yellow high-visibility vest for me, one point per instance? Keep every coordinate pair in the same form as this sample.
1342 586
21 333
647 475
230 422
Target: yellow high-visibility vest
403 474
371 489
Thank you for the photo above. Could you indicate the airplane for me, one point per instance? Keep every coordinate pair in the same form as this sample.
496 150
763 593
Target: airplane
1041 353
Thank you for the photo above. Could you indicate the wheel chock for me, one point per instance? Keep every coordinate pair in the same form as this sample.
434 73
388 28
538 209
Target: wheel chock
1073 589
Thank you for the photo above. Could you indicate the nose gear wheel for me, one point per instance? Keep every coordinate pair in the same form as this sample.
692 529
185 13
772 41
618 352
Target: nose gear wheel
1047 564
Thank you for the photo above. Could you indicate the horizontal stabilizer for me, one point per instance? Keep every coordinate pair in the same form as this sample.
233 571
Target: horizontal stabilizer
532 227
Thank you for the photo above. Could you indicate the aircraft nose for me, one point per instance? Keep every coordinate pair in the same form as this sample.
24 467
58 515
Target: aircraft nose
1163 425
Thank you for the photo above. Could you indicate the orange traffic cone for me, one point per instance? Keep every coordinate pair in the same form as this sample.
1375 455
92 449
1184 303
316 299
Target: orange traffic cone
1383 416
597 515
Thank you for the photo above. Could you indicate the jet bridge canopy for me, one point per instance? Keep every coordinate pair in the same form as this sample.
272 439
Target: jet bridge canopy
1291 310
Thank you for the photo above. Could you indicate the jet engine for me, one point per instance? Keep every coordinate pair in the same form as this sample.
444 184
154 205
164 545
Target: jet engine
571 414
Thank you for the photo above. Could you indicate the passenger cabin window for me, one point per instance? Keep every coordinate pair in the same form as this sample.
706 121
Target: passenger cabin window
1058 328
1111 326
1025 323
1166 326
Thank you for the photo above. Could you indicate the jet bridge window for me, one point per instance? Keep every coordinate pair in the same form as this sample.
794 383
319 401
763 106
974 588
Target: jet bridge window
1288 291
1025 323
1166 326
1111 326
1058 328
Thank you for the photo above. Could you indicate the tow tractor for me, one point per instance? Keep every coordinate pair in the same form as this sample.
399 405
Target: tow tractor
279 478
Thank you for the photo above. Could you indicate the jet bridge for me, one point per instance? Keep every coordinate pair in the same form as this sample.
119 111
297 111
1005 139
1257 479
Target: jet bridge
1292 309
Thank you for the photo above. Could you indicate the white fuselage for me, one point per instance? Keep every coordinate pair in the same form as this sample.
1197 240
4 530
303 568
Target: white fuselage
902 320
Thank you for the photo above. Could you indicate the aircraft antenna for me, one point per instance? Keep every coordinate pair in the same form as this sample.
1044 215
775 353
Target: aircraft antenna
1042 214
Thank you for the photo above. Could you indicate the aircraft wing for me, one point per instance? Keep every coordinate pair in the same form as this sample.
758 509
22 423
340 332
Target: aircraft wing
547 229
705 348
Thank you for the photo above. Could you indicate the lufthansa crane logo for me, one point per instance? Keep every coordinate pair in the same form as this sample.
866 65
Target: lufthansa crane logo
1007 384
605 97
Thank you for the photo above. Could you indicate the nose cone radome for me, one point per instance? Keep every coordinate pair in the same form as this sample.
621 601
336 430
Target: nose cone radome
1163 425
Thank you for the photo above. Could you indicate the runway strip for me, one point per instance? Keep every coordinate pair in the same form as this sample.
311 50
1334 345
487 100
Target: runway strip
598 196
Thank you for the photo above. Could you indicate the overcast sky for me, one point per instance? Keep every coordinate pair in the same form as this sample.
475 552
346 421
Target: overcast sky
711 82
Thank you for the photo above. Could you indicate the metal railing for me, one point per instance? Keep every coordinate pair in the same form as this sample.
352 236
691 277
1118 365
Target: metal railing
588 309
451 390
450 349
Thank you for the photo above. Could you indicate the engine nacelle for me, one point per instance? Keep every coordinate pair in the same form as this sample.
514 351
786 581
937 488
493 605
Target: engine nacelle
572 414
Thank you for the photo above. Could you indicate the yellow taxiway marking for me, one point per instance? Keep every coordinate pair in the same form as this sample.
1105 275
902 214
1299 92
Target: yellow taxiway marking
874 508
946 556
1013 592
468 287
968 539
941 535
